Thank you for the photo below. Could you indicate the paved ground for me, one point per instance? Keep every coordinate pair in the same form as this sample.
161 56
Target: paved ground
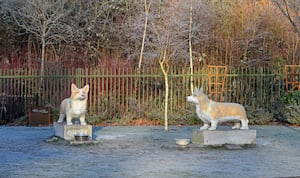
146 152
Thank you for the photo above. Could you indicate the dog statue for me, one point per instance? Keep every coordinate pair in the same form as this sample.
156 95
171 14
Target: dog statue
212 113
75 106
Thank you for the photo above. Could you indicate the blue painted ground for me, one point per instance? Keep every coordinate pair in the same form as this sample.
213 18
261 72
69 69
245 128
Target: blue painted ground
146 152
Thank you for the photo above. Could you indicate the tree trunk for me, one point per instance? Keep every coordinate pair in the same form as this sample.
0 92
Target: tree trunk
41 84
166 94
147 8
190 46
166 100
43 40
43 60
165 69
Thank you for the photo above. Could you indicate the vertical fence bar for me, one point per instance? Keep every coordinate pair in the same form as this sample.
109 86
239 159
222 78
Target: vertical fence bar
97 89
107 93
102 92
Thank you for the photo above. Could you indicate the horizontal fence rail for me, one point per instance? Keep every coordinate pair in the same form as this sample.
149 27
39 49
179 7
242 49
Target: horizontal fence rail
118 94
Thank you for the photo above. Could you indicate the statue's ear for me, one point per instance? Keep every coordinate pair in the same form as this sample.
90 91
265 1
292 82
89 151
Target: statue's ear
196 89
73 87
201 90
86 88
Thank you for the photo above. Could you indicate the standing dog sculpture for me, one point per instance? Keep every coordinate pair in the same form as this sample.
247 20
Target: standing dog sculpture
212 113
75 106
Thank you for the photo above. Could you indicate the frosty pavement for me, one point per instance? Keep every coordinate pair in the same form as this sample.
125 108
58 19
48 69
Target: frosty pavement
148 151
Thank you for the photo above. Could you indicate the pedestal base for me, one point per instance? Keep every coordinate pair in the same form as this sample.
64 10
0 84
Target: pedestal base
222 137
67 132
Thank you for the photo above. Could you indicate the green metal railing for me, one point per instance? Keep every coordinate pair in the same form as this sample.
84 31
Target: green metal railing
117 92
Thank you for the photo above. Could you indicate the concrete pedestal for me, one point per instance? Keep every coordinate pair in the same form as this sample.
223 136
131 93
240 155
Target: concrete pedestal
67 132
222 137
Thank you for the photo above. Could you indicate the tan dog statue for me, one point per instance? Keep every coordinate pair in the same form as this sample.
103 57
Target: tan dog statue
212 113
75 106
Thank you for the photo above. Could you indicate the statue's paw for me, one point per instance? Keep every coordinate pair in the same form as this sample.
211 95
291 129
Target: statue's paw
212 128
234 128
204 127
244 128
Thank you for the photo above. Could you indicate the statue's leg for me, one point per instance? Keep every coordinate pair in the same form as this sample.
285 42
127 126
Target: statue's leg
237 125
82 120
244 124
69 120
214 124
61 118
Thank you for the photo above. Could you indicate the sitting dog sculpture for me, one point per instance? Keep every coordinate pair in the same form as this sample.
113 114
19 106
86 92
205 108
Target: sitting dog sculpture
75 106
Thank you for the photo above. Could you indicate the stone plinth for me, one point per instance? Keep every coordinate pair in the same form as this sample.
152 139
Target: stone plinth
67 132
222 137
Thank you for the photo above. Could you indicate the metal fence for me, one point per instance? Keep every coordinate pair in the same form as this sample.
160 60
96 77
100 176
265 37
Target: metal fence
116 93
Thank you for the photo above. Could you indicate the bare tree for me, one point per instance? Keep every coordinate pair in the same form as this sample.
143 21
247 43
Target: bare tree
134 30
291 10
169 38
41 19
190 47
147 9
167 41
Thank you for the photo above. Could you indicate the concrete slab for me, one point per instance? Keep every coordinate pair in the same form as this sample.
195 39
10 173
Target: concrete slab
223 137
67 132
88 142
